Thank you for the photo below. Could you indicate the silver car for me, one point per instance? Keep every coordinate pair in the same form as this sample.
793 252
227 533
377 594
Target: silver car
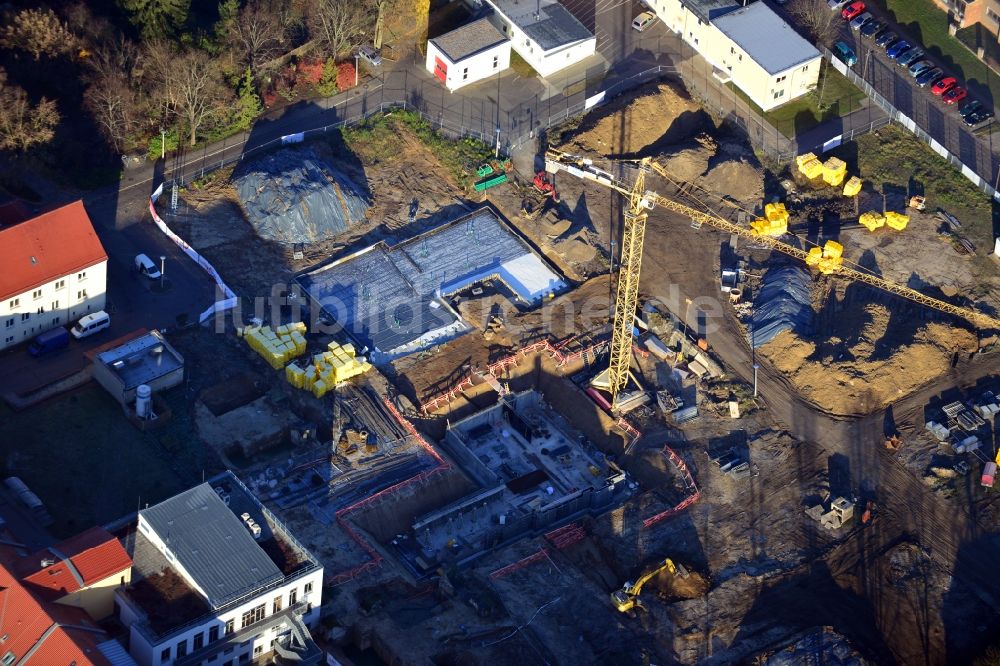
837 4
371 55
860 20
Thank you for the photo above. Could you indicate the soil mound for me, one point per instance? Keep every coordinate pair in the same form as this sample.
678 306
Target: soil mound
736 179
660 114
870 369
691 159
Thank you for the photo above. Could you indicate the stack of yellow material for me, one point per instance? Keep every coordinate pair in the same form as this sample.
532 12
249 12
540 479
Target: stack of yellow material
834 171
852 187
338 364
872 220
809 165
896 221
277 346
828 259
774 222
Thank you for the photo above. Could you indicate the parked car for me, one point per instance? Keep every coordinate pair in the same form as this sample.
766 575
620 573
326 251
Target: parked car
898 49
837 4
886 39
977 117
49 341
872 28
845 53
643 21
859 21
146 267
929 76
853 10
970 107
944 85
919 67
370 54
910 57
90 324
955 95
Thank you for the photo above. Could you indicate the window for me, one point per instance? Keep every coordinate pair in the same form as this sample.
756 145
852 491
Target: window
81 295
732 49
277 603
293 597
55 305
165 654
10 322
41 309
213 634
25 316
55 320
199 642
779 94
253 615
8 659
308 588
229 628
496 61
780 79
81 276
36 294
182 648
9 339
806 68
465 74
257 650
61 284
14 303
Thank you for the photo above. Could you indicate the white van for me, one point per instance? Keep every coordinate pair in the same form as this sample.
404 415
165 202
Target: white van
643 21
90 324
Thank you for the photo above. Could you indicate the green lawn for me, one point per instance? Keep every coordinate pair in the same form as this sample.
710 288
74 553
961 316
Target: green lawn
929 26
834 96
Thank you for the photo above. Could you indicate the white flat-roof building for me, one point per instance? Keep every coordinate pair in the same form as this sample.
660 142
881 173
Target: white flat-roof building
544 33
218 580
146 359
753 46
53 270
474 52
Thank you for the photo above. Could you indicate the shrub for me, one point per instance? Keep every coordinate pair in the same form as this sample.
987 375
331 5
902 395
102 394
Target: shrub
309 72
345 76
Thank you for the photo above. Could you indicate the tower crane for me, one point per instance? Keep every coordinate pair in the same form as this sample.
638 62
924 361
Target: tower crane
640 201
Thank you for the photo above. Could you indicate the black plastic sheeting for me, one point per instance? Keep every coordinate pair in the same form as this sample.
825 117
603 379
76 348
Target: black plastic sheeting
782 303
294 196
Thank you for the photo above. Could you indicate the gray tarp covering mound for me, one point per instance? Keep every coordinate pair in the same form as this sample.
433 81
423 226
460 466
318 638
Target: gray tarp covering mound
294 196
782 303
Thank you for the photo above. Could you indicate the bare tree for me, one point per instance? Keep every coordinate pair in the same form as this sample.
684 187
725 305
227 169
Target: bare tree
113 94
39 32
191 84
22 124
257 34
334 23
816 18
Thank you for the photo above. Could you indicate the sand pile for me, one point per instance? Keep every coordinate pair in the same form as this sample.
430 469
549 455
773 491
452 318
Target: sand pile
736 179
866 371
661 113
691 586
691 158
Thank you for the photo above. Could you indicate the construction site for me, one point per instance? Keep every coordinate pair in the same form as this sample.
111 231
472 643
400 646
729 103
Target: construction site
651 400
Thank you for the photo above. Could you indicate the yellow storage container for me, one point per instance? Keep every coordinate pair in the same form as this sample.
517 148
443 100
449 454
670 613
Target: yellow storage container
872 220
814 256
896 221
833 250
834 179
852 187
812 169
803 159
319 389
348 349
299 326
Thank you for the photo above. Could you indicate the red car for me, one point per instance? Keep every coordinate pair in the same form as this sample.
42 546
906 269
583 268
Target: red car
852 10
955 95
944 85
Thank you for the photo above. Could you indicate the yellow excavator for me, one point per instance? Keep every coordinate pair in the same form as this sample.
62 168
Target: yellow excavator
627 598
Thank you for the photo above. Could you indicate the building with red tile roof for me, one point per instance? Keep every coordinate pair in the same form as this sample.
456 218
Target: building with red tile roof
33 631
54 272
82 571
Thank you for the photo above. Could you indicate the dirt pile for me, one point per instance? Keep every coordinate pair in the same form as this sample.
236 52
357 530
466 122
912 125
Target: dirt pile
866 370
736 179
691 158
681 586
658 114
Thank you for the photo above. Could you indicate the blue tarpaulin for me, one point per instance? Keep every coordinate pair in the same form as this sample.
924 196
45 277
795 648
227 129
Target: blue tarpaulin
782 303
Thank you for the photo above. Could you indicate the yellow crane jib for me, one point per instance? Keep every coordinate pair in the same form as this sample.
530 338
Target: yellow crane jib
583 168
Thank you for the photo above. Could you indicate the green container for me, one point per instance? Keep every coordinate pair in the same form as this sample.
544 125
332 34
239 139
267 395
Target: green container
491 182
484 170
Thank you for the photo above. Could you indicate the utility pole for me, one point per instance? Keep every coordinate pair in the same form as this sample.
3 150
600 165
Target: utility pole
163 144
355 70
163 269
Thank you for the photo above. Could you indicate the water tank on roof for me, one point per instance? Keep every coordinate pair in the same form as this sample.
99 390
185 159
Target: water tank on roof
143 401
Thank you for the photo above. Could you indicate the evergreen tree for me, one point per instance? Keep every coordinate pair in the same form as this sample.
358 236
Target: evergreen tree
328 84
248 105
157 18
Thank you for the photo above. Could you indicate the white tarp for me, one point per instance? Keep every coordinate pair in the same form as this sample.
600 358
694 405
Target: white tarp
530 277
